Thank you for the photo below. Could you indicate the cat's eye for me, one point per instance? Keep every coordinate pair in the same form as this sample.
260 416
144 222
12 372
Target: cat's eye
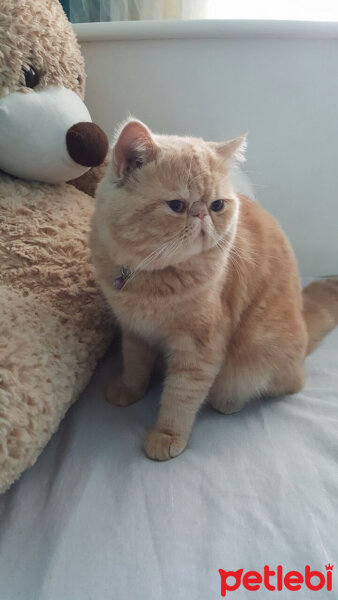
177 206
31 77
217 205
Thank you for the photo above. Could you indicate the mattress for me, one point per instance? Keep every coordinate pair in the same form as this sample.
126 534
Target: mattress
94 519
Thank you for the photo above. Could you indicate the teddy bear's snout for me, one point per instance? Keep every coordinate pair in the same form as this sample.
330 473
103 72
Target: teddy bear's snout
87 144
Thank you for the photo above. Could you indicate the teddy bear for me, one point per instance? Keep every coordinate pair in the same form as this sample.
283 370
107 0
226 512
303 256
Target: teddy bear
54 324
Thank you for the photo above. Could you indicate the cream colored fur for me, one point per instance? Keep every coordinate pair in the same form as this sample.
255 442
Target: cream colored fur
214 287
54 324
36 33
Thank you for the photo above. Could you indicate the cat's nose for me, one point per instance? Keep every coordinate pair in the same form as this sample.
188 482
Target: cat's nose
199 210
87 144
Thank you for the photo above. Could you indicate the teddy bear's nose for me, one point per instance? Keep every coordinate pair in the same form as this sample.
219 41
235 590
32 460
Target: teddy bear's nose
87 144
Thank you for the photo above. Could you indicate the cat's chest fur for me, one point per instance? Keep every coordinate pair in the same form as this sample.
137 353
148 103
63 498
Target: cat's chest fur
140 307
153 306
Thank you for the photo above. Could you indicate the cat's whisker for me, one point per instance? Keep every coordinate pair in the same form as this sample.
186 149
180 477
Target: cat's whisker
237 268
164 251
243 258
149 259
246 253
146 262
248 171
168 250
234 258
154 252
222 243
260 185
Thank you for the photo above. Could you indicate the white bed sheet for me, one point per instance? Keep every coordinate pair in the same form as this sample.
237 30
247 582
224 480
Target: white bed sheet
94 519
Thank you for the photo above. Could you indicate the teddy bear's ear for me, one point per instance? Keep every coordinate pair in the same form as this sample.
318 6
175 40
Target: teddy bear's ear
134 147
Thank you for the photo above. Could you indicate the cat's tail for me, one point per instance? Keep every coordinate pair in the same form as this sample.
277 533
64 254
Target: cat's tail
320 309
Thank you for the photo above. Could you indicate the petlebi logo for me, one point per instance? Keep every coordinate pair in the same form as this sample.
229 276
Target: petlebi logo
276 579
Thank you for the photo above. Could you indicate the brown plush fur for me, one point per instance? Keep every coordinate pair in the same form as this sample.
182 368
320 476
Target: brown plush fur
54 325
89 181
217 291
35 33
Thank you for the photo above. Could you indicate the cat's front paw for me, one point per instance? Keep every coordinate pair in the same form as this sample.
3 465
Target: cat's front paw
119 394
162 446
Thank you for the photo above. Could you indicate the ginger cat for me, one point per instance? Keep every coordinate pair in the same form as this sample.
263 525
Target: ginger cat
208 277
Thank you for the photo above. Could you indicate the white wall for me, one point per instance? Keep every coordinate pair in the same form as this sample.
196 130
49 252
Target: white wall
282 90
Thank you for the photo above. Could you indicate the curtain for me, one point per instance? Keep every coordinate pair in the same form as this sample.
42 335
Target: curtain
84 11
133 10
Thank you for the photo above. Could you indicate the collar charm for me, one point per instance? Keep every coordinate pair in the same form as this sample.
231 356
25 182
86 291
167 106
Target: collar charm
119 282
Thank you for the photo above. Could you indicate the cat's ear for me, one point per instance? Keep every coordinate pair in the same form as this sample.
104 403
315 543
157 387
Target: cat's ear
133 148
232 151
